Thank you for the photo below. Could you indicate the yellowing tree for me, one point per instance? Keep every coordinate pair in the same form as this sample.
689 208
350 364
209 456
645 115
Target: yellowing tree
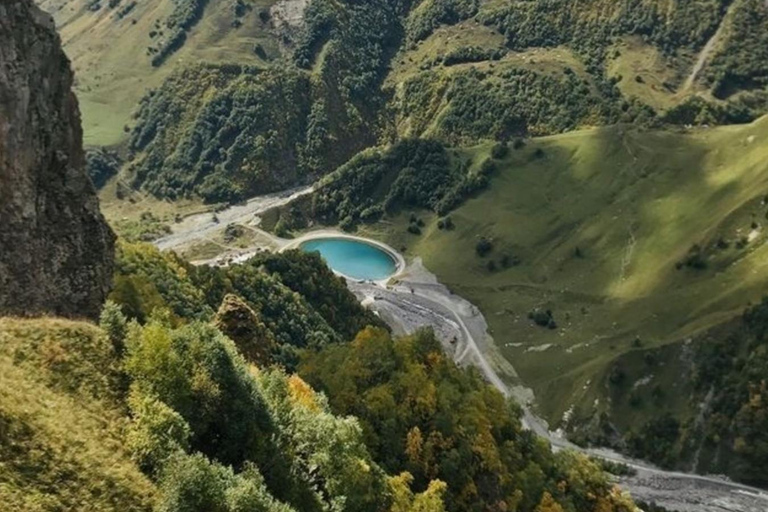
548 504
404 500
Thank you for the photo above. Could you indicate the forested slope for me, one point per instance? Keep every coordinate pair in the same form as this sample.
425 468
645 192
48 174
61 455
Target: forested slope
713 421
342 76
173 415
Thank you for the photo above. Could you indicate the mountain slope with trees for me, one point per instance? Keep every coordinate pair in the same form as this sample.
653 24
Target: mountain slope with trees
313 90
157 409
192 424
588 251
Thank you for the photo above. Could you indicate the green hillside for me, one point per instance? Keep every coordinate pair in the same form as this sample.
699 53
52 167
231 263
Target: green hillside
61 421
165 412
109 49
596 213
712 421
458 70
622 234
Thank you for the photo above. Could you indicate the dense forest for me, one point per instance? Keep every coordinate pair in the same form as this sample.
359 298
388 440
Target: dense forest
206 427
411 174
742 63
206 376
226 132
510 102
520 98
298 299
591 27
420 413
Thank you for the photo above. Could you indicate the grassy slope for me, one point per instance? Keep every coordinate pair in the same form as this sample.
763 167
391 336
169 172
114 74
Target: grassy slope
661 78
411 62
113 69
634 203
61 446
661 86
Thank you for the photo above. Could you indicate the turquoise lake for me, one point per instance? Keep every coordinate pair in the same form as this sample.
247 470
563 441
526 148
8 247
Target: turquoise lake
358 260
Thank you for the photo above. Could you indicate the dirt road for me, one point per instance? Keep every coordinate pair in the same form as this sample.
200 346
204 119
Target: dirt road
707 50
202 226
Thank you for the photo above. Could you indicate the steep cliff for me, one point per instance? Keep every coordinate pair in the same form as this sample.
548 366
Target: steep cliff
56 250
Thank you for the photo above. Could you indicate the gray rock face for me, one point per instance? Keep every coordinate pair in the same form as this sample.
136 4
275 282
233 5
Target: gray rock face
56 250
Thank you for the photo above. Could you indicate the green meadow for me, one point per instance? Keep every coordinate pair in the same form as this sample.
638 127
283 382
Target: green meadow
630 238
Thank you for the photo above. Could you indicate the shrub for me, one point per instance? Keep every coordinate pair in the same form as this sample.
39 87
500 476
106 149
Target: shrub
114 323
483 247
500 150
487 168
543 318
509 261
414 229
695 259
156 432
617 375
347 223
101 165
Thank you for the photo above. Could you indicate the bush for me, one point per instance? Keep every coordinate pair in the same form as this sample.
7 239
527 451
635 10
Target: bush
487 168
543 318
156 432
483 247
472 54
115 324
695 259
509 261
347 224
101 165
500 150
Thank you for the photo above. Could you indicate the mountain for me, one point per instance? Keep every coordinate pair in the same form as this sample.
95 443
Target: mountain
112 44
156 408
287 91
590 175
57 248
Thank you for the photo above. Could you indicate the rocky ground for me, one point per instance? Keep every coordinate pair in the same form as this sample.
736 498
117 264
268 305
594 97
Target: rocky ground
201 226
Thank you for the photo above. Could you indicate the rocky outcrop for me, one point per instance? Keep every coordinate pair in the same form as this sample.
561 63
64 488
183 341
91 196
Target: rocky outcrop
242 325
56 250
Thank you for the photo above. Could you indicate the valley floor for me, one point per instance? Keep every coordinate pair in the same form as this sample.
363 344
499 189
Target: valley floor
415 299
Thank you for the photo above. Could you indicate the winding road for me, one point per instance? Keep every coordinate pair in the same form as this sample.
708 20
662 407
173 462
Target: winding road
201 226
